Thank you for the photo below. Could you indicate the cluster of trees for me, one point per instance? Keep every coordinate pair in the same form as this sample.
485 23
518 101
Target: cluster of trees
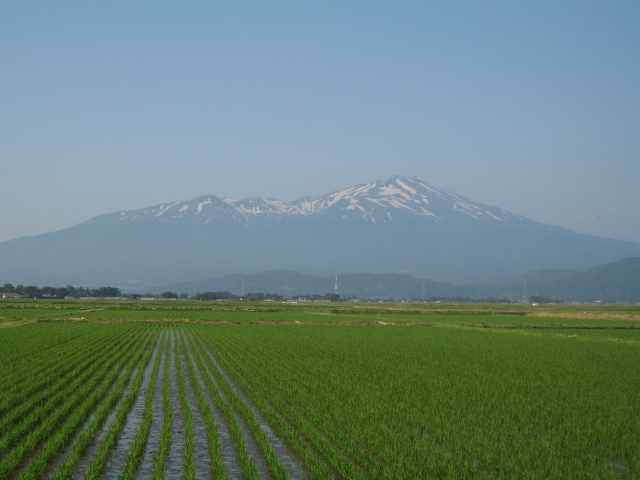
257 297
538 299
61 292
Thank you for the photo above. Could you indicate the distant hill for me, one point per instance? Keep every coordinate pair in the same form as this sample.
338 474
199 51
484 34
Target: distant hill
401 225
614 282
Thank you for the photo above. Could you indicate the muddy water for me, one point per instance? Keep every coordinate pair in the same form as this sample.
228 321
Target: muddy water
285 455
229 454
153 443
176 449
115 464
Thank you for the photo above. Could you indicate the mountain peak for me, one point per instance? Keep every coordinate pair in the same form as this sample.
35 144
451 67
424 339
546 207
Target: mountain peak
401 224
381 201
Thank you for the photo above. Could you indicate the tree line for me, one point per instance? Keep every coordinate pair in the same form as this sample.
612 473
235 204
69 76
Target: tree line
110 292
61 292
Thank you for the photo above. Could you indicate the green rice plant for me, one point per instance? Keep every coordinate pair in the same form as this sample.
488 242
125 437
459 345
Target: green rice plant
66 469
31 412
160 459
464 403
25 384
218 469
96 467
78 405
299 433
62 435
247 465
135 453
189 450
276 467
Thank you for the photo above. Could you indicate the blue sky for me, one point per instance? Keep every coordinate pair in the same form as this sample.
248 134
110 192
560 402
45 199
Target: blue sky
530 106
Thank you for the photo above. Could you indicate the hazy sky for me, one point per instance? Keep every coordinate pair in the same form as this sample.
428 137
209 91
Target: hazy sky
532 106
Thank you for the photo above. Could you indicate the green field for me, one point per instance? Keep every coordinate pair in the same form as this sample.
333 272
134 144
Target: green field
347 391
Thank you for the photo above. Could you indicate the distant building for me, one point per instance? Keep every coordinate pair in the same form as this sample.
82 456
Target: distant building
9 295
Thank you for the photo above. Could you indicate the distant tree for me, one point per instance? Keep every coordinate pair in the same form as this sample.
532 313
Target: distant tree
30 290
332 297
7 287
183 296
538 299
168 295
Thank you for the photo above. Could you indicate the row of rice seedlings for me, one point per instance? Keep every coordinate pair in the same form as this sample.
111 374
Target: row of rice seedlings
66 469
247 465
37 411
218 469
306 440
346 453
95 469
136 452
89 394
378 453
32 340
342 446
19 405
465 404
27 386
160 459
274 464
96 405
308 444
46 340
189 472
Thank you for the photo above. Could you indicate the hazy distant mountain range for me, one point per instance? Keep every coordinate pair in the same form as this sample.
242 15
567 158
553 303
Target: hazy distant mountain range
617 282
402 225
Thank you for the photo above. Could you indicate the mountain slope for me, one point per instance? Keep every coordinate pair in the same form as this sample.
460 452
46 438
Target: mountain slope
401 225
614 282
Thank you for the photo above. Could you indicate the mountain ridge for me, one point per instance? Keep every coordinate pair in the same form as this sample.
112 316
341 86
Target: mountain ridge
401 225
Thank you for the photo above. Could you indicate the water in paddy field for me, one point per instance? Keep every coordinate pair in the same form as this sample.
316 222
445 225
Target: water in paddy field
173 349
117 461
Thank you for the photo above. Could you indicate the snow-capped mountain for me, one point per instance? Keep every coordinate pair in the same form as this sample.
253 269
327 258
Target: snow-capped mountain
377 202
400 225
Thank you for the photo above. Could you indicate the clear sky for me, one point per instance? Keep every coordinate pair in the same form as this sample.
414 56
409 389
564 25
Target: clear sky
532 106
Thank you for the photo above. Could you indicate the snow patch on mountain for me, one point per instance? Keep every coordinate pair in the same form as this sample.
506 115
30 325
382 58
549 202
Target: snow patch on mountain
372 202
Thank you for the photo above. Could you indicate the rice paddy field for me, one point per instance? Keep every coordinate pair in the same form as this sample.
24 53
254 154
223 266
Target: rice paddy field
174 390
